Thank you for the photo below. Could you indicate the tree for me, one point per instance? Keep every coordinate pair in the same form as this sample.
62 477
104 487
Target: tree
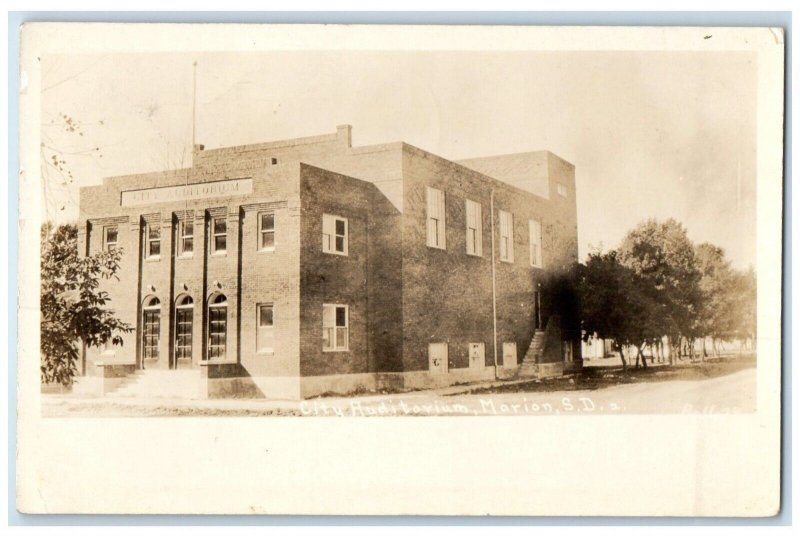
744 312
614 303
74 310
719 304
661 254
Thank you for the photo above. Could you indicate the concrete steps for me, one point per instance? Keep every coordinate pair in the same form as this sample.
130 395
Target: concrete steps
528 367
161 383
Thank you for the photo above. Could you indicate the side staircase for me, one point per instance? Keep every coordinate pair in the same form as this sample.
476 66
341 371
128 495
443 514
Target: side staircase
162 383
528 366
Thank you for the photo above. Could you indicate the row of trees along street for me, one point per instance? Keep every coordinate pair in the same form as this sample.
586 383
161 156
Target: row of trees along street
659 289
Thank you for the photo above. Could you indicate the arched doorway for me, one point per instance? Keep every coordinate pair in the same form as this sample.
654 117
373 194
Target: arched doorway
217 327
184 331
151 330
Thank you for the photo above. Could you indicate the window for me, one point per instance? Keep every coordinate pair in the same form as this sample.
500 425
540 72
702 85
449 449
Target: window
562 190
110 238
265 335
151 328
266 231
153 243
535 233
185 238
184 313
217 326
436 218
335 327
334 234
474 238
506 236
219 235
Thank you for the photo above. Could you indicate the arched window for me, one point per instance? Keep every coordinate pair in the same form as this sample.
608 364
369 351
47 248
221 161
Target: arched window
217 326
184 316
151 327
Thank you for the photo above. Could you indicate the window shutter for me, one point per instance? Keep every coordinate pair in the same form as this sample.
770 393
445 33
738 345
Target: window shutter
328 316
431 214
477 220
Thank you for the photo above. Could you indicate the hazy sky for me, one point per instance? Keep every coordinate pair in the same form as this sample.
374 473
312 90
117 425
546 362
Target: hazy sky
651 134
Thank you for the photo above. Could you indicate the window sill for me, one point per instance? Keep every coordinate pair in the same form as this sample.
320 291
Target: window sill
442 248
216 361
185 256
220 253
152 259
266 352
266 250
336 350
342 254
479 256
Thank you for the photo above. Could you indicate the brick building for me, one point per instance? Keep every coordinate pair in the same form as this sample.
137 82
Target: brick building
308 266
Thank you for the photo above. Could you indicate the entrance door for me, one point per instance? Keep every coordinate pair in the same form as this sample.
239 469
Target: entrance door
437 357
509 355
477 356
184 316
151 331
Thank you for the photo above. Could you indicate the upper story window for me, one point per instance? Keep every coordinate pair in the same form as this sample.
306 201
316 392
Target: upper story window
185 238
334 234
506 236
219 235
335 327
266 231
153 241
110 238
562 190
436 218
474 238
535 232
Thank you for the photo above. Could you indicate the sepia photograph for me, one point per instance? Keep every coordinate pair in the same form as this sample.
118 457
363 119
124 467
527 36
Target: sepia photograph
496 223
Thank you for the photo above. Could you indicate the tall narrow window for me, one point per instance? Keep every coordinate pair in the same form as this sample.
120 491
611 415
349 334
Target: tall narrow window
219 235
184 315
474 239
535 233
153 244
185 238
265 334
110 238
436 218
151 328
334 234
266 231
335 327
217 327
506 236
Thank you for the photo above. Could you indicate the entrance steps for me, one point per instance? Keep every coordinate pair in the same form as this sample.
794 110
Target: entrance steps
162 383
528 366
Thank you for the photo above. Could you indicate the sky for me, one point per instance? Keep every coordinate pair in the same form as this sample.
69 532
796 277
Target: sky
651 134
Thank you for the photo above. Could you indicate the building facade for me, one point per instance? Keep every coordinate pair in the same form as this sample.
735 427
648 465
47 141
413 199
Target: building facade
302 267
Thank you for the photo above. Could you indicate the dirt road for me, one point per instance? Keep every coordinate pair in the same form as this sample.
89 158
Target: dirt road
730 393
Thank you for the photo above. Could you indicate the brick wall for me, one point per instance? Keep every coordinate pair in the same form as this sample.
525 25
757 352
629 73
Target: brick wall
366 279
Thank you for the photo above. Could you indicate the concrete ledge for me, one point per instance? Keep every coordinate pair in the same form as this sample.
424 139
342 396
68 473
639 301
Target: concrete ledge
555 369
338 384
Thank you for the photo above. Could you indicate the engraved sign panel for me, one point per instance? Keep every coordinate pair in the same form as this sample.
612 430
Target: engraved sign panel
194 191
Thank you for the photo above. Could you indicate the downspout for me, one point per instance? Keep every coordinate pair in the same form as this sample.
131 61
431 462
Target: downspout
494 289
